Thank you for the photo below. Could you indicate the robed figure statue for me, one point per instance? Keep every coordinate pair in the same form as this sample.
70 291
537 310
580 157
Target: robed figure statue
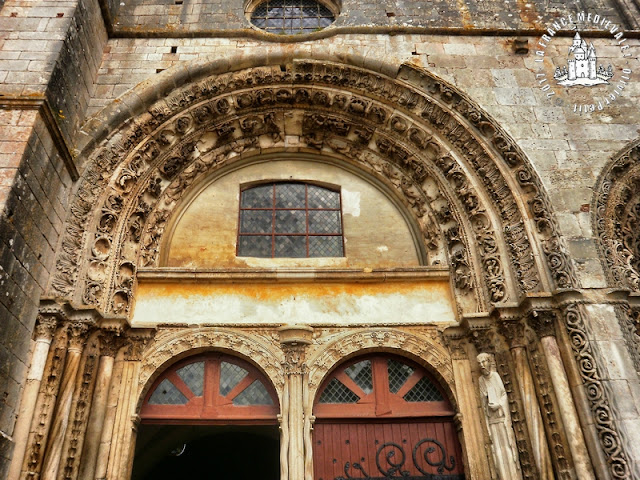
496 409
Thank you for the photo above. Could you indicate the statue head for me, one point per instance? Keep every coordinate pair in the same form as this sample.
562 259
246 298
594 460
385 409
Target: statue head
487 363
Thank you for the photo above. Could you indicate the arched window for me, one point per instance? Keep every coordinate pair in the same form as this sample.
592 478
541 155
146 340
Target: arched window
294 220
291 17
383 416
209 387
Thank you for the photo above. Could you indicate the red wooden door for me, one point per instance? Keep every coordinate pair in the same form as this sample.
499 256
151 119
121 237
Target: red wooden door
382 417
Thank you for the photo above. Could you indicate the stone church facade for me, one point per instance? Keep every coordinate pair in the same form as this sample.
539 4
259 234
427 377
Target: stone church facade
458 297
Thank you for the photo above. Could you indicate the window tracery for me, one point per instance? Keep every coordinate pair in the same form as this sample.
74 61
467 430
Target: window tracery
291 17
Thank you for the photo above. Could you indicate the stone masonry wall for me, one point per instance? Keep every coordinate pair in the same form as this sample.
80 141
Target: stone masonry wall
49 55
32 219
154 16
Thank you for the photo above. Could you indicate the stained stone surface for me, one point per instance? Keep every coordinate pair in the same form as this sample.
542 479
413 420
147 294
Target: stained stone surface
62 62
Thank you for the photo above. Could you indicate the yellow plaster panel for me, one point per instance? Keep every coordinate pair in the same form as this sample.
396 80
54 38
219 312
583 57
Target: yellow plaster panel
204 232
325 303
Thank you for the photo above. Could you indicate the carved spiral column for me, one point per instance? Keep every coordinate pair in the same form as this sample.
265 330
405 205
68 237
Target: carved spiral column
109 345
102 460
45 405
473 437
53 454
543 323
45 328
513 331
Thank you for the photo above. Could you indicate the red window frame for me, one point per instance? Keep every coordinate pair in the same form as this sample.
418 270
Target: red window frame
381 402
211 407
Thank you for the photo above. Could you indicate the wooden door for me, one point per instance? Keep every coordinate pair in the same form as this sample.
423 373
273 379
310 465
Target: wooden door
383 417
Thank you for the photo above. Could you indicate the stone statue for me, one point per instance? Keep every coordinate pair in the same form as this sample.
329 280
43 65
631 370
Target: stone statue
496 408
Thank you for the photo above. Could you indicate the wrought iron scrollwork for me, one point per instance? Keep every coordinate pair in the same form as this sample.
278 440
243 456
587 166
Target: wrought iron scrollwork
441 464
391 457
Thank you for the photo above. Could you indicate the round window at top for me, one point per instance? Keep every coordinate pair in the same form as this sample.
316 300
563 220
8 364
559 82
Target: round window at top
292 17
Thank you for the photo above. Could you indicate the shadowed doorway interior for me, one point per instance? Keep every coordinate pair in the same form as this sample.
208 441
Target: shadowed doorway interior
209 416
205 451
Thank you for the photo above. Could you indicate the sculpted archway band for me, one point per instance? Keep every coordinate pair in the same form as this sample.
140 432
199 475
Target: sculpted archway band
481 222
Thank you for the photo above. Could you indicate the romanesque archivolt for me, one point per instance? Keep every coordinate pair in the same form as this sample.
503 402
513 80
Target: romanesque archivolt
170 344
617 218
428 144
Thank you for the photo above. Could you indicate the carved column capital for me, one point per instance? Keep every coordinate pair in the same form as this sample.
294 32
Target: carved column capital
78 332
543 322
110 342
457 344
134 348
513 331
484 340
294 356
45 328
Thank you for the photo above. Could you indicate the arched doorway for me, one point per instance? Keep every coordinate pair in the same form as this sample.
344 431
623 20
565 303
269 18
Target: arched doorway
209 413
383 416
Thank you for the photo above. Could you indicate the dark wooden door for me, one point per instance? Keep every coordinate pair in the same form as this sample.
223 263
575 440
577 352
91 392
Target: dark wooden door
383 417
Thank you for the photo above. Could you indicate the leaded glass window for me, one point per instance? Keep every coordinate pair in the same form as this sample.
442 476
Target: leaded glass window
361 374
423 391
380 386
254 394
291 17
337 392
230 376
167 394
193 376
290 220
398 374
211 386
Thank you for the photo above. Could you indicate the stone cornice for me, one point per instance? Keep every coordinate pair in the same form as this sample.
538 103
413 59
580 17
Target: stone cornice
66 311
41 104
305 275
250 33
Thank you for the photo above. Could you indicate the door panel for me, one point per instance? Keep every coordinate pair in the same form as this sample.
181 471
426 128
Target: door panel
426 450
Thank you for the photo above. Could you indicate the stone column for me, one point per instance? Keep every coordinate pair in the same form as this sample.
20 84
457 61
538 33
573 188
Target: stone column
45 329
126 421
60 422
295 371
283 418
309 419
109 345
102 460
514 333
543 323
294 339
474 442
45 405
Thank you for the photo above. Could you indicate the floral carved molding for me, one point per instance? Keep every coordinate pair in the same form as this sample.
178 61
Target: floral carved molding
617 218
170 345
472 194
